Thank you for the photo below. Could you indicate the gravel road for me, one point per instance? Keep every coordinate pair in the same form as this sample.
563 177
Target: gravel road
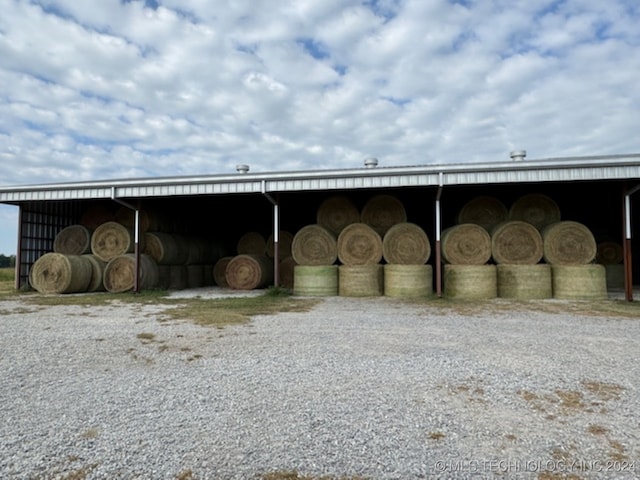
357 388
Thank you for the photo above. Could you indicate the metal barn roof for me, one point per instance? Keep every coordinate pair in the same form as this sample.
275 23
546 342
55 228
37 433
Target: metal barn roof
611 167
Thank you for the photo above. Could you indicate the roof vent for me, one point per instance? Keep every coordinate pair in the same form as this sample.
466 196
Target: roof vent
371 162
242 168
518 155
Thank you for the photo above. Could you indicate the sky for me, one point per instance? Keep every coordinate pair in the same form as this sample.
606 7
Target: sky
104 89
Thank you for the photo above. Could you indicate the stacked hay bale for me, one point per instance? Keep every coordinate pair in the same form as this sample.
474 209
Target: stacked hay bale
610 254
348 252
406 250
360 253
570 248
106 243
466 251
314 250
251 268
516 248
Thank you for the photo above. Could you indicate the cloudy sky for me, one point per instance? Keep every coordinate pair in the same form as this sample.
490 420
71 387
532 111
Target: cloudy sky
111 88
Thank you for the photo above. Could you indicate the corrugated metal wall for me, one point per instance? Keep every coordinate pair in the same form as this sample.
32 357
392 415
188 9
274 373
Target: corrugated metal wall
39 224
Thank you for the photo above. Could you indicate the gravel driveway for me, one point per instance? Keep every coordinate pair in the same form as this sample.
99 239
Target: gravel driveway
357 388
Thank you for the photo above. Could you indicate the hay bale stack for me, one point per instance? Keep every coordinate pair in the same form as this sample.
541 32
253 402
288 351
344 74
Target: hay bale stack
579 282
178 279
314 245
568 243
286 272
315 280
470 282
408 280
524 282
285 239
406 244
219 269
165 248
359 244
252 243
248 272
61 273
201 250
73 240
466 244
361 280
537 209
516 243
337 212
120 273
485 211
96 284
609 253
381 212
111 240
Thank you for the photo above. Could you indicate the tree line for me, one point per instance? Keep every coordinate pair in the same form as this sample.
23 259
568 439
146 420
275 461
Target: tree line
7 261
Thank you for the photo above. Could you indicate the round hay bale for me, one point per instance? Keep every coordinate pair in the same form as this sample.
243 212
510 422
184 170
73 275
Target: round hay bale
248 272
286 272
337 212
207 275
96 283
61 273
111 240
408 280
568 243
485 211
96 215
359 244
314 245
615 275
470 282
201 250
406 244
252 243
219 269
120 273
73 240
516 243
195 276
537 209
361 280
609 253
524 282
165 248
382 212
315 280
579 282
285 239
466 244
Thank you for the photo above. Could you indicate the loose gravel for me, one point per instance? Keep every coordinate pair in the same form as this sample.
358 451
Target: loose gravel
357 388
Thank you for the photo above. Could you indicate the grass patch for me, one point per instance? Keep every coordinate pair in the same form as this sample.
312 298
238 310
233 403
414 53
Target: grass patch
600 308
7 281
218 312
221 312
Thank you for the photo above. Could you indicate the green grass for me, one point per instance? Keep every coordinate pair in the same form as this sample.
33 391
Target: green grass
7 278
218 312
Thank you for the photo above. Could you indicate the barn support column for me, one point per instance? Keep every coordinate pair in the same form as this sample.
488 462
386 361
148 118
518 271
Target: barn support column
438 229
626 246
276 235
136 235
18 266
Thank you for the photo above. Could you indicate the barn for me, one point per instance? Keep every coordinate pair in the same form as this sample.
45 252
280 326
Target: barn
595 192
